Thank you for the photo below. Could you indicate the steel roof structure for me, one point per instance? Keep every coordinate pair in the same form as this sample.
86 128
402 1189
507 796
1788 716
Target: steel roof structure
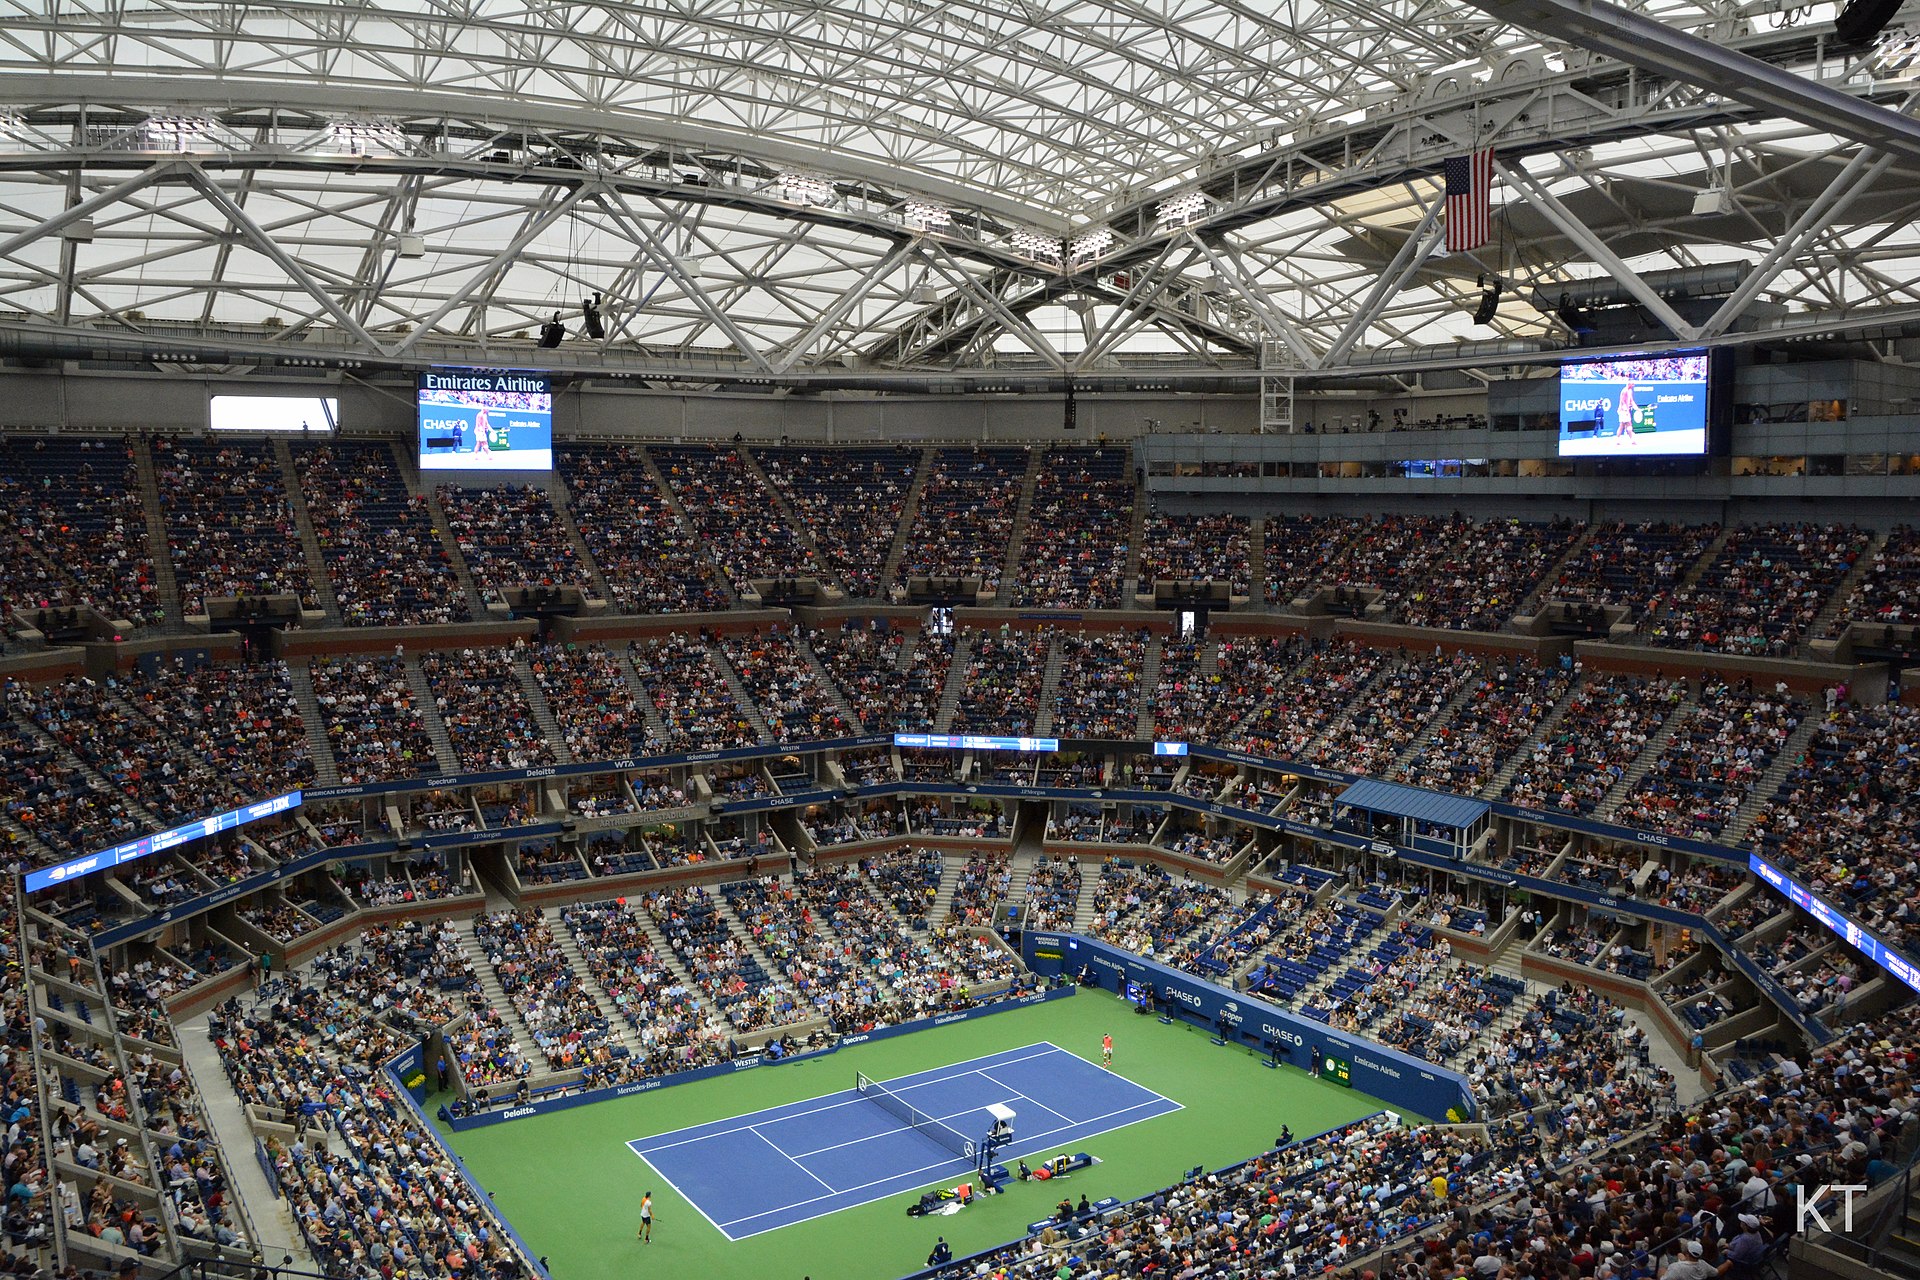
912 190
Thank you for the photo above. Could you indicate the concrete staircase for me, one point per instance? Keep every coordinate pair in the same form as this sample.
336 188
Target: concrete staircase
436 514
1022 518
326 771
956 681
496 995
1770 782
91 774
303 521
1531 604
790 517
1843 592
542 712
1524 752
562 507
1149 681
1257 562
1049 700
1441 719
1649 754
828 684
1136 550
164 582
738 687
909 512
577 961
1695 572
655 725
443 752
672 500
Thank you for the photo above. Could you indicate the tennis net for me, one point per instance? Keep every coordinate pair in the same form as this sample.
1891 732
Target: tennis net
898 1107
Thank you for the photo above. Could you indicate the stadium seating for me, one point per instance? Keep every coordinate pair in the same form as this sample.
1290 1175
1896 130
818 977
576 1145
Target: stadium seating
71 537
734 516
965 518
650 559
1075 552
511 536
850 500
230 526
382 554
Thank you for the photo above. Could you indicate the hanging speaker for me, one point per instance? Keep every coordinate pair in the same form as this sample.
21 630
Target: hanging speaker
1862 20
1489 302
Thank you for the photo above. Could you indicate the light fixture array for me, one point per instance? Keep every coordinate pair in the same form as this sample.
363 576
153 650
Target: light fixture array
1179 210
804 188
927 215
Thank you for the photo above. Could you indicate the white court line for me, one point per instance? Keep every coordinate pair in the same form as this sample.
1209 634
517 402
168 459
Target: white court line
677 1191
1029 1145
1016 1093
711 1132
793 1160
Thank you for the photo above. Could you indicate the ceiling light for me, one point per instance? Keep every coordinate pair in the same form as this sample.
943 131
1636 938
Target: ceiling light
1033 244
804 188
1091 245
926 215
363 137
1178 211
175 133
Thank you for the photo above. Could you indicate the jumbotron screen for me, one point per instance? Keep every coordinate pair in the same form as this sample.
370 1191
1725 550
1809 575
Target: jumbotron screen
485 420
1634 407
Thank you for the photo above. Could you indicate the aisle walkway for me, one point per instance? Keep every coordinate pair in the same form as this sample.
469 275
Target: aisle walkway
228 1120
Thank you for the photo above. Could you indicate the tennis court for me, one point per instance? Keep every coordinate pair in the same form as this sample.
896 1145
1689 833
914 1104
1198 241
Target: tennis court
802 1160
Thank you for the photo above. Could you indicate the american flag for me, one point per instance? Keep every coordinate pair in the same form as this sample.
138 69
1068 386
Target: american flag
1469 200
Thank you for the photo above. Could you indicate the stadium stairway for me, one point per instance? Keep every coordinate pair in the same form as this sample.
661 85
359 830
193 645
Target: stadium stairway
158 551
1048 701
570 948
326 770
436 514
1521 754
1022 518
542 713
93 775
1337 723
1844 589
909 511
1136 535
956 681
1438 721
1531 603
496 995
562 507
828 684
738 688
1649 754
656 727
309 540
791 518
1773 779
223 1113
443 752
665 490
1257 563
949 881
1149 682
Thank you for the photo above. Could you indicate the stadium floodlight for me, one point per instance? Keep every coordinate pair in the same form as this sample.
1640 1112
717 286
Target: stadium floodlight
1035 245
1179 210
926 215
804 188
1092 245
363 137
1896 54
175 133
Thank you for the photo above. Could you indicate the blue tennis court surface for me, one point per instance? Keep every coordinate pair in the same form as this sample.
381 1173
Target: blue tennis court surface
773 1168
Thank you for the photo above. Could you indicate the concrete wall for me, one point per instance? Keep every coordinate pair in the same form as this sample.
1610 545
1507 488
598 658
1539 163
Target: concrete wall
170 402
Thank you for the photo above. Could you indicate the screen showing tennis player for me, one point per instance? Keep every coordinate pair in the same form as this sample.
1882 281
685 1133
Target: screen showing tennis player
1634 406
485 420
